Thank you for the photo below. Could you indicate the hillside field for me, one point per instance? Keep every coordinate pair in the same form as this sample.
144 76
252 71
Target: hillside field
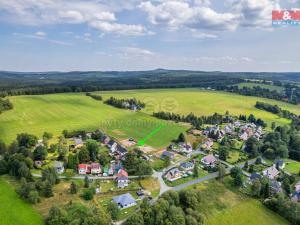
13 210
56 112
266 86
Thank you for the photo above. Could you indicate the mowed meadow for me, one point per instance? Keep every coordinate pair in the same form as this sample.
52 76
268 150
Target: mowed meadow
56 112
13 210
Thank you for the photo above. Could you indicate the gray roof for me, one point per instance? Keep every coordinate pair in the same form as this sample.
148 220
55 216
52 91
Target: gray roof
166 153
125 199
78 141
296 195
279 162
58 164
255 176
186 165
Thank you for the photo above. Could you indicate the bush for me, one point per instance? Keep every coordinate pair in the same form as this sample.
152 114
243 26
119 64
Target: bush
88 194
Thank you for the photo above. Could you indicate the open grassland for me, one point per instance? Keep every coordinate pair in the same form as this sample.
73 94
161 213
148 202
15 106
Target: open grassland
202 102
246 213
56 112
227 207
266 86
13 210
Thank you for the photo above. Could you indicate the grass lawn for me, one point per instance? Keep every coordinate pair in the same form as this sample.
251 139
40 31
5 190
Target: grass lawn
292 166
221 205
157 164
151 184
246 212
236 156
13 210
266 86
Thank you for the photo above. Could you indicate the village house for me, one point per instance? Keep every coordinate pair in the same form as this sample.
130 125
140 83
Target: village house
297 186
187 166
244 136
295 196
95 168
122 178
207 144
59 167
78 142
185 148
271 172
167 154
173 174
275 187
279 164
254 176
84 169
209 160
38 163
112 146
121 151
124 201
105 139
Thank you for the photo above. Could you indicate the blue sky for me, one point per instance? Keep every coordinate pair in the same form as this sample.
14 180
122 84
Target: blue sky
210 35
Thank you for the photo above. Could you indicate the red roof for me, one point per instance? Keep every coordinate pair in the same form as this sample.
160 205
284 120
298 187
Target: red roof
95 165
82 166
122 173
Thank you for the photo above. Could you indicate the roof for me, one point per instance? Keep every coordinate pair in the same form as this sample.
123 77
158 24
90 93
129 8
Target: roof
78 141
296 196
174 171
186 165
111 142
279 162
122 178
122 173
275 185
95 165
121 149
82 166
123 200
255 176
271 172
58 164
209 158
167 153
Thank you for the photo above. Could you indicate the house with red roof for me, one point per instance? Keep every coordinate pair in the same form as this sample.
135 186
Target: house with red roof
122 178
84 169
95 168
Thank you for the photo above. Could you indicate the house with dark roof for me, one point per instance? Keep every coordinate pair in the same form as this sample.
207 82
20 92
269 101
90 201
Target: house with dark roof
124 201
279 163
187 166
295 196
167 154
121 151
59 167
275 187
255 176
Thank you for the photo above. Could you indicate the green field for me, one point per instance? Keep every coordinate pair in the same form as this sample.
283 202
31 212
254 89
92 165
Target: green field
247 212
56 112
13 210
292 166
266 86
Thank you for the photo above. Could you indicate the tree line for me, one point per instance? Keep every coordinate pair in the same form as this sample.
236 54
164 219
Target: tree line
198 121
131 103
96 97
275 109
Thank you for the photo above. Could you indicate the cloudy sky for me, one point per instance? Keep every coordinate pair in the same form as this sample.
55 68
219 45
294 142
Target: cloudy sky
224 35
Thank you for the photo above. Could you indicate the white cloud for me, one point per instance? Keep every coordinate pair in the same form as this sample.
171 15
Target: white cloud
134 52
178 14
41 36
255 13
94 13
